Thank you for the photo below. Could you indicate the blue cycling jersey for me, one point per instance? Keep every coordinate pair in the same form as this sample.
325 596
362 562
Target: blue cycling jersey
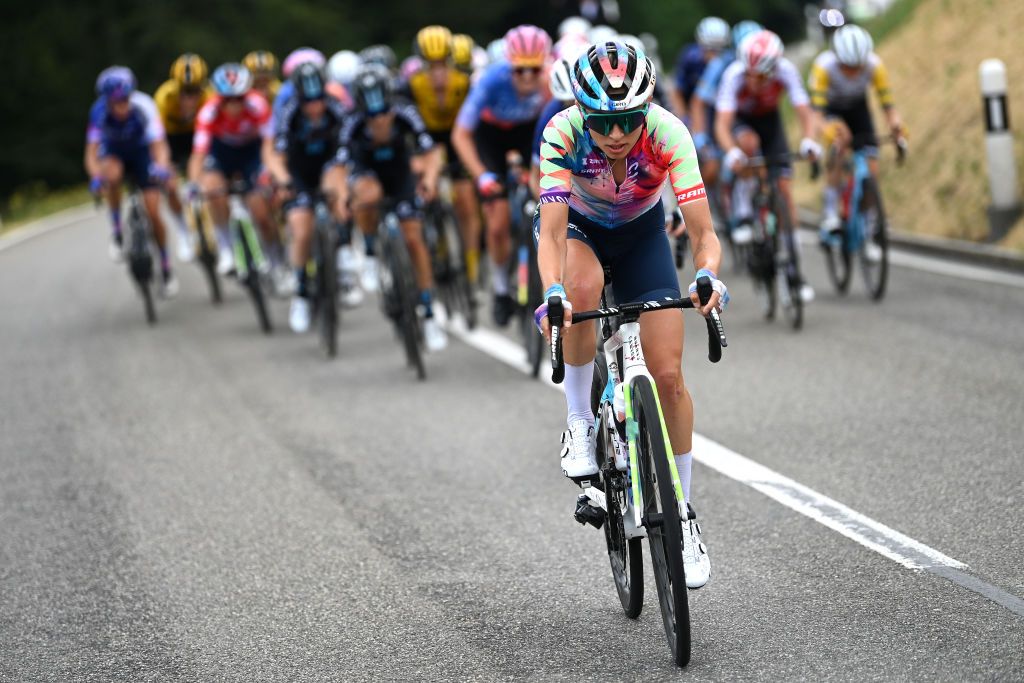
707 87
284 93
140 128
550 109
494 100
689 66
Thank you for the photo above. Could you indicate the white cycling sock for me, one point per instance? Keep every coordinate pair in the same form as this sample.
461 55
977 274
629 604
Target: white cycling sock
743 197
684 465
223 238
578 379
499 277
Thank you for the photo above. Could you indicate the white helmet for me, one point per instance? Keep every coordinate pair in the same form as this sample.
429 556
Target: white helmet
496 50
603 34
760 52
343 66
480 58
632 40
561 80
713 33
852 45
573 26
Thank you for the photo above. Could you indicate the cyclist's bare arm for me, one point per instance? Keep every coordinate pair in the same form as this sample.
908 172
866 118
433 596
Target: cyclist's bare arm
678 103
707 251
92 159
195 165
462 140
808 120
160 151
275 162
698 114
551 244
723 129
432 166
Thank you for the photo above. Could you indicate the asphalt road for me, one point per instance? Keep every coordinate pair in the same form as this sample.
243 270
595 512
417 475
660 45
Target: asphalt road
198 502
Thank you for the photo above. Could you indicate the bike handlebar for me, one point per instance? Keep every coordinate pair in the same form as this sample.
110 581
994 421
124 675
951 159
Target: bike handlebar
556 317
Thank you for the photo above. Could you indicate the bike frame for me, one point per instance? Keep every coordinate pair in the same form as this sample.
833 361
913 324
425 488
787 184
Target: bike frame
241 218
854 226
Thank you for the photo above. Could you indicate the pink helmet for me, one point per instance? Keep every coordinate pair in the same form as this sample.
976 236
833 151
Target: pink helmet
301 56
527 45
410 65
761 52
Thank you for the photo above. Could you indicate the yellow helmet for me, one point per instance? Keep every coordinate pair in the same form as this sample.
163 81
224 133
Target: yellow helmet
434 43
260 62
462 50
190 71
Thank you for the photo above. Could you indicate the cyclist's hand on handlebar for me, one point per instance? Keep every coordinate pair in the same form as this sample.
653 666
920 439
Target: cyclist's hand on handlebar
540 316
719 298
488 184
810 149
735 159
159 172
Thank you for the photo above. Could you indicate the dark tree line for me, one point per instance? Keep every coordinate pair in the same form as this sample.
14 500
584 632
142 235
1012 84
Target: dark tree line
52 49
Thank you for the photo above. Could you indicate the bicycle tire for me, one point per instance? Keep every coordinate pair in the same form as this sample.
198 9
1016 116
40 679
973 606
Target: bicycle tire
252 282
147 302
837 262
788 278
761 263
535 343
207 258
876 275
661 519
140 258
400 267
327 290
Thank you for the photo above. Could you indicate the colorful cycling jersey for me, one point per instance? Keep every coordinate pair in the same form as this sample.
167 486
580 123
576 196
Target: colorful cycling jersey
168 103
438 109
574 171
550 109
252 123
358 149
493 100
140 128
737 95
689 67
296 135
833 89
707 86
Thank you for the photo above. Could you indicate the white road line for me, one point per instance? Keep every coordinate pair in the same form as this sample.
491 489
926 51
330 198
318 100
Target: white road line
842 519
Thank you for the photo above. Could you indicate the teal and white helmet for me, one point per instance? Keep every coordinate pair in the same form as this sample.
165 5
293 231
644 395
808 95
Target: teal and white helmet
613 76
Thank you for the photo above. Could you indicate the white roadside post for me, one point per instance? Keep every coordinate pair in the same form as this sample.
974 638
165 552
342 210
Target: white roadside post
1002 167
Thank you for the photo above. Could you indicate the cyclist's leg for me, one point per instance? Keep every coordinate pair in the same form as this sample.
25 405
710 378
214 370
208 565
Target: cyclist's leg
837 140
745 184
367 194
112 170
467 211
492 145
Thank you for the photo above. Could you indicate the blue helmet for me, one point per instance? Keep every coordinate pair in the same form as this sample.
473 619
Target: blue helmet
742 30
115 83
231 80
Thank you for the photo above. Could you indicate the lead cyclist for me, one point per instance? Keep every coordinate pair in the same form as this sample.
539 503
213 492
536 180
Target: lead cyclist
603 164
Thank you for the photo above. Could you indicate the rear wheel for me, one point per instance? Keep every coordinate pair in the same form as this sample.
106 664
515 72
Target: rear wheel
788 273
874 266
327 290
403 291
660 516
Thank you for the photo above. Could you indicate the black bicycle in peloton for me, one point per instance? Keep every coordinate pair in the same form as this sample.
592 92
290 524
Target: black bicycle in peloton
447 256
138 252
524 275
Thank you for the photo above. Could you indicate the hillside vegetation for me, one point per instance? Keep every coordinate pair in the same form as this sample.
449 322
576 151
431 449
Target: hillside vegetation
933 59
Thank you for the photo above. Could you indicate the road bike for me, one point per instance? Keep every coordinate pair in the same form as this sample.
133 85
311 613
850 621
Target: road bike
637 493
324 263
529 293
864 231
399 292
206 253
139 250
444 241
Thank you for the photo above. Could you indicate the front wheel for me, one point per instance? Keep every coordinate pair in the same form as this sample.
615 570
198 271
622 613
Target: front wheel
252 278
327 290
661 518
874 253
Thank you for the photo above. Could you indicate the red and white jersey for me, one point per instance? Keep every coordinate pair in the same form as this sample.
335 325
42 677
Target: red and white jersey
736 94
212 123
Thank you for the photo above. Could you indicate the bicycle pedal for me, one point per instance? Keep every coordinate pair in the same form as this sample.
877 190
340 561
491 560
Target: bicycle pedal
587 513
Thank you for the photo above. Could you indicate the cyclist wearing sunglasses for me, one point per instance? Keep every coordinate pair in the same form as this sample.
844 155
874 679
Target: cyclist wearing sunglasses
747 123
604 163
229 130
380 143
303 159
498 117
125 140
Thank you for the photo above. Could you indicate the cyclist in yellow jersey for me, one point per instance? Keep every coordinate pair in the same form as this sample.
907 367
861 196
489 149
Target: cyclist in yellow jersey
178 100
263 67
438 91
462 52
839 82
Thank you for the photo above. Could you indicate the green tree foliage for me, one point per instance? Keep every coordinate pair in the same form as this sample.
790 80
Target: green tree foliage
52 49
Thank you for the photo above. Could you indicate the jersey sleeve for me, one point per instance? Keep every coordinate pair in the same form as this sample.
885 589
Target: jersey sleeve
412 119
556 149
817 82
880 81
94 129
203 137
707 86
732 79
281 122
790 77
469 113
345 137
154 130
671 142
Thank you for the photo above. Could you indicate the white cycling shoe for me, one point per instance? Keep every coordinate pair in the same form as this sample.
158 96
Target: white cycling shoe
225 262
696 561
299 315
434 335
579 458
806 293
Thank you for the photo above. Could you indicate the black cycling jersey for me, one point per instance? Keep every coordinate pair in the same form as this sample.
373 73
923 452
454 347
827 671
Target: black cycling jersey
409 137
305 141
